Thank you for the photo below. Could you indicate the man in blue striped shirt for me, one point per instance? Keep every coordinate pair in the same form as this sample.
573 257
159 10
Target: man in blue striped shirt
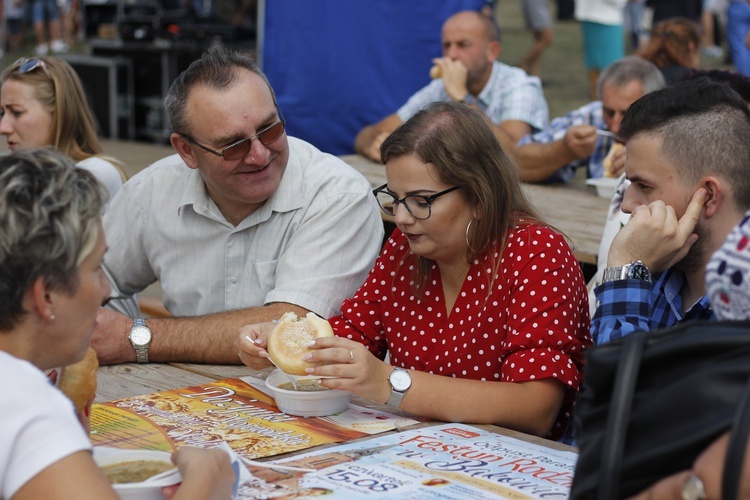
688 155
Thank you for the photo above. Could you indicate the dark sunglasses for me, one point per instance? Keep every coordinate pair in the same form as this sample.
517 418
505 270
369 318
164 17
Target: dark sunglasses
240 148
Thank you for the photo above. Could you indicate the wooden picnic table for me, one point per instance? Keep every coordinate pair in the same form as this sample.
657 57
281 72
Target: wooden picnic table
573 208
131 379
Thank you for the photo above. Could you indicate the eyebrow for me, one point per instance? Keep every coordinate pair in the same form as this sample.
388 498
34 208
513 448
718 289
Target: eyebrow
230 139
416 192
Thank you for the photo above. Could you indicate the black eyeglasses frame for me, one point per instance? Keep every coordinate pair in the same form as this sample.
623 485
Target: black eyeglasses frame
402 201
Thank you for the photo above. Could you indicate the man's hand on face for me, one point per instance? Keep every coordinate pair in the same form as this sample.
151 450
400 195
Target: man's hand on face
655 236
580 140
454 75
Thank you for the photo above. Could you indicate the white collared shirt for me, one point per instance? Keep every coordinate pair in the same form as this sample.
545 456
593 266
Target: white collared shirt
311 244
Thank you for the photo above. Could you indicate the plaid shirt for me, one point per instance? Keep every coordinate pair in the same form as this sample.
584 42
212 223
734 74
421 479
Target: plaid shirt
588 114
510 94
630 305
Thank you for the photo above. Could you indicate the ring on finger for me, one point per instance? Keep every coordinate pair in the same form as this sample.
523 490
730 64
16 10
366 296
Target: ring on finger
351 356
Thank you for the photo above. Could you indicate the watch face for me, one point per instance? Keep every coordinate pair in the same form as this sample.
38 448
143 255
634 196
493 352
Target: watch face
639 271
400 380
140 335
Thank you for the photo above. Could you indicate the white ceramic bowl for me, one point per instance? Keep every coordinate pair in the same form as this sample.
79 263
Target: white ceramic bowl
133 491
605 186
306 403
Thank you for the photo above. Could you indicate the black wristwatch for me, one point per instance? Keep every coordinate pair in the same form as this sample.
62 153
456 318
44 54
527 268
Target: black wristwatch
635 270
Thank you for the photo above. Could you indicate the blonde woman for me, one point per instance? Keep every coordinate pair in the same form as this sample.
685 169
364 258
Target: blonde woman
43 103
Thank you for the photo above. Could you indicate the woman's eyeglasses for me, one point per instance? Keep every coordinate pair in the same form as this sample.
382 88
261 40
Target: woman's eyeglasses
419 206
27 65
240 148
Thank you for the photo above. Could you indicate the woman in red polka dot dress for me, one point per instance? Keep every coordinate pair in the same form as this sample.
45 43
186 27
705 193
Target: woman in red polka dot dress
482 307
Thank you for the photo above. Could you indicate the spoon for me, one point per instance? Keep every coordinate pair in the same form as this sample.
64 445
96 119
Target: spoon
291 378
166 477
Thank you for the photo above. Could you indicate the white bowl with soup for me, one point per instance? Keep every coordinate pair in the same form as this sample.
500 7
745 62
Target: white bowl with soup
128 469
309 400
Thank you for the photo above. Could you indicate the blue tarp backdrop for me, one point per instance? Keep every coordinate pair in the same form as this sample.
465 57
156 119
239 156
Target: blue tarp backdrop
337 65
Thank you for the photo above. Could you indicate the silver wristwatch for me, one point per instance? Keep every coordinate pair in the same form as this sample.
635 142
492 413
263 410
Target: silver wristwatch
635 270
400 382
140 337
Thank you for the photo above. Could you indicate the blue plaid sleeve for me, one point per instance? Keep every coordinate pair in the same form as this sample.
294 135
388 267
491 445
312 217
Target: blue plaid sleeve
624 307
588 114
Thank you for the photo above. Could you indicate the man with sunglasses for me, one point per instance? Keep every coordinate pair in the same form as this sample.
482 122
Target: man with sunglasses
584 137
242 225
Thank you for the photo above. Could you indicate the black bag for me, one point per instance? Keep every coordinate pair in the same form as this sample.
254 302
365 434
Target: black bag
653 401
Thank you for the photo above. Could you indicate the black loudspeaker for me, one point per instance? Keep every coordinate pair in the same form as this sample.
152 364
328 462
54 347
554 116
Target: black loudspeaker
108 83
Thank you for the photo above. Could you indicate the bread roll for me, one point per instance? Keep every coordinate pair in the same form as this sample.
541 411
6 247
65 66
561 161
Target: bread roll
78 382
436 72
289 340
609 159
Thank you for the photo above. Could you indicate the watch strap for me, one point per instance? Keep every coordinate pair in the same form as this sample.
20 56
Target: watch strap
396 395
395 399
613 273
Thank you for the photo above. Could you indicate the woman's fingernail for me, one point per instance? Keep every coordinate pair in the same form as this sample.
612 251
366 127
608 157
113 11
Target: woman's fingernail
310 370
307 356
310 343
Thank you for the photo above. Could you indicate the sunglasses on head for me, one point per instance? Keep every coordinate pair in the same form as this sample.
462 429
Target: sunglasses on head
27 65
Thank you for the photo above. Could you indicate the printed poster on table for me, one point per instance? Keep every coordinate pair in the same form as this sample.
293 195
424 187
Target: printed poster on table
231 411
449 461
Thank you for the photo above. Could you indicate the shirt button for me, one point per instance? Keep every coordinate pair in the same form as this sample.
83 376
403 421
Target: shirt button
233 280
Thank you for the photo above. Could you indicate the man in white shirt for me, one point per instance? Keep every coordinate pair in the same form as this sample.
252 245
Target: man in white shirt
241 226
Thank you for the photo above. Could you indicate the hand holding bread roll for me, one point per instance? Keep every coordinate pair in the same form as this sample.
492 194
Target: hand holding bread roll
290 339
78 382
610 158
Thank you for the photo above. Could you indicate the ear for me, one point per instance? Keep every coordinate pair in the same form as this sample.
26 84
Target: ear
493 50
718 196
477 212
184 149
41 300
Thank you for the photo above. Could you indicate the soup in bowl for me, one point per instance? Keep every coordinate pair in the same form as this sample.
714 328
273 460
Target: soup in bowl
310 399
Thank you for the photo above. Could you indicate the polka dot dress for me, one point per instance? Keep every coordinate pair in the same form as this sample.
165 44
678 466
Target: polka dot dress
531 322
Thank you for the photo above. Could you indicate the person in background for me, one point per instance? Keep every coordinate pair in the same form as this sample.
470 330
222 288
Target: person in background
687 157
481 305
667 9
603 38
634 11
675 47
738 34
43 103
512 100
728 289
51 286
713 26
14 25
539 22
240 226
45 17
584 137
